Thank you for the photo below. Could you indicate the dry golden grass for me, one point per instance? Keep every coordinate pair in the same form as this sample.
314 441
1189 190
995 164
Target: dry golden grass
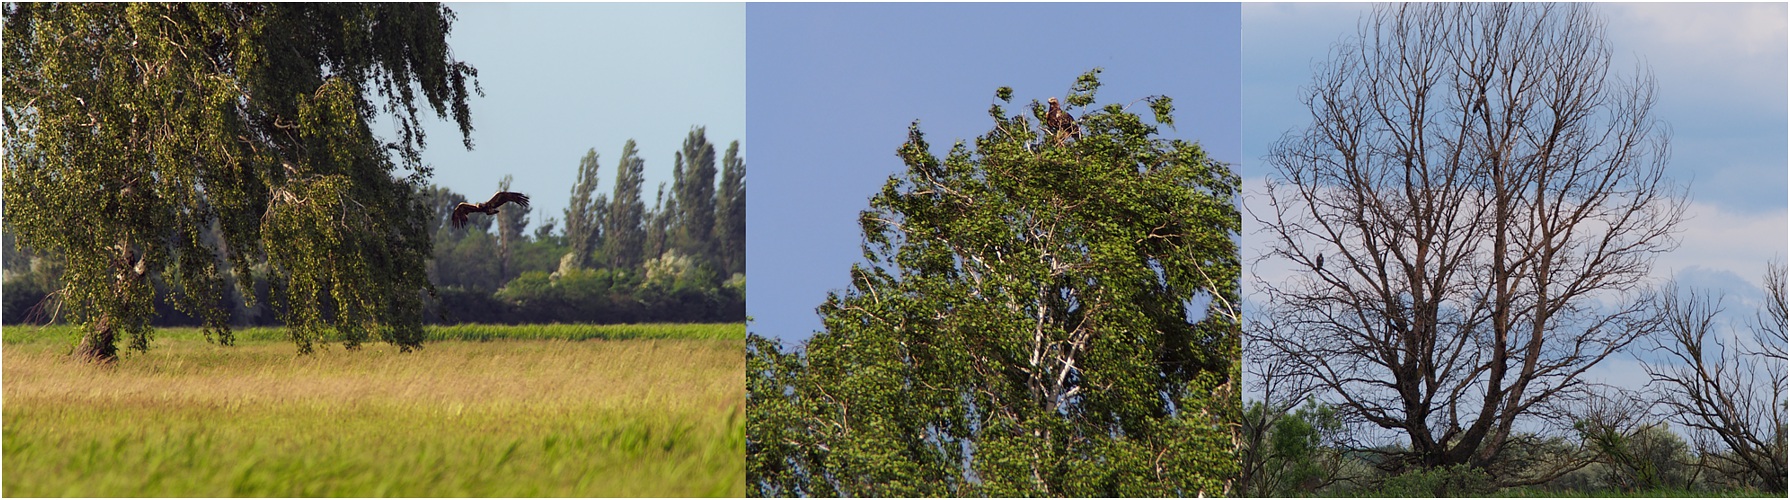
503 418
534 373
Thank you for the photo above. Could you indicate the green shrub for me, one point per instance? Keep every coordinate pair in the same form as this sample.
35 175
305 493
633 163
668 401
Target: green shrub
1437 482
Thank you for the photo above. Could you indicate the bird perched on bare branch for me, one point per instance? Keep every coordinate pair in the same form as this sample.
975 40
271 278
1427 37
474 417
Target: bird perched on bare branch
489 207
1061 126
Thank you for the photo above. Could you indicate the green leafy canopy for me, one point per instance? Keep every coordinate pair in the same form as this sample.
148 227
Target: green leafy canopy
183 142
1035 317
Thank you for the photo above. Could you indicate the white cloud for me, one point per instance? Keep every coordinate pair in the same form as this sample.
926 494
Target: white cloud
1716 238
1706 51
1744 29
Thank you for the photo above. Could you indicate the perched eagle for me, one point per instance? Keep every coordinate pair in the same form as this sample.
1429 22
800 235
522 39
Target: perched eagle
1060 124
488 207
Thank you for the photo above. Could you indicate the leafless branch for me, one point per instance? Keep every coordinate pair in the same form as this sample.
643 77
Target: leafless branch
1487 198
1731 396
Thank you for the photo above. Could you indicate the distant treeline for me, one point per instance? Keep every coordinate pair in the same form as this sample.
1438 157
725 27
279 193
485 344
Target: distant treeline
608 258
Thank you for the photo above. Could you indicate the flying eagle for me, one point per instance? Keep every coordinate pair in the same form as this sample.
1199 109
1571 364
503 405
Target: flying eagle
1060 124
488 207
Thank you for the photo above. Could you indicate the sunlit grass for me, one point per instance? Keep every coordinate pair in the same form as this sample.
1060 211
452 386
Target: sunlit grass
651 416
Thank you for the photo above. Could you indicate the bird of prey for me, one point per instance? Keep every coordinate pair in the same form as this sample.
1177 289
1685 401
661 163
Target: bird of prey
1320 262
1060 124
489 207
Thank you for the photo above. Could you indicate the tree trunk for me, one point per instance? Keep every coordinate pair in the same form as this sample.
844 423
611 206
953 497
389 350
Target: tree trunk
99 345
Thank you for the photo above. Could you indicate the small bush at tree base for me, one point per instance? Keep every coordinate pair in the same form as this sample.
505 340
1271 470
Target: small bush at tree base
1437 482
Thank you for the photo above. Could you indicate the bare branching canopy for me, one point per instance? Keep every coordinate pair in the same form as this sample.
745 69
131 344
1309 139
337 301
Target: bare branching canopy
1488 195
1727 390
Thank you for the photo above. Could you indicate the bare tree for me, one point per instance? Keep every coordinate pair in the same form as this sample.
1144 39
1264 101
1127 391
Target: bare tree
1729 392
1490 197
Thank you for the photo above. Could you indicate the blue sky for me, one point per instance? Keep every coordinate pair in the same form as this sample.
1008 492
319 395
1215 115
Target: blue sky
833 87
562 78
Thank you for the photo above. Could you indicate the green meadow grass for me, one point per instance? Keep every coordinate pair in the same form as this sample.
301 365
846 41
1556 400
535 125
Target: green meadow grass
479 411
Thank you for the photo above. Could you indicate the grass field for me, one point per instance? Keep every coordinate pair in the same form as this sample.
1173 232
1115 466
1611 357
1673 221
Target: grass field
637 410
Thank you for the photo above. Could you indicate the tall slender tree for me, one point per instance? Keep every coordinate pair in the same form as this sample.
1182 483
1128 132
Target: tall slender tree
659 226
512 221
730 213
132 128
584 214
625 224
693 187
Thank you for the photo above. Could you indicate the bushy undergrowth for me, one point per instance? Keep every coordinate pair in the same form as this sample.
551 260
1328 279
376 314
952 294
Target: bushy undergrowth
1439 482
1544 492
1290 455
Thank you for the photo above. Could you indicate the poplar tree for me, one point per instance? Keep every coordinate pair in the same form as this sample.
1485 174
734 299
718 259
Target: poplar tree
693 188
730 213
625 225
510 223
658 226
584 214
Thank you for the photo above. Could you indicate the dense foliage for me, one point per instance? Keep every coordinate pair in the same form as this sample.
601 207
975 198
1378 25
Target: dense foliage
1289 452
183 144
1038 316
